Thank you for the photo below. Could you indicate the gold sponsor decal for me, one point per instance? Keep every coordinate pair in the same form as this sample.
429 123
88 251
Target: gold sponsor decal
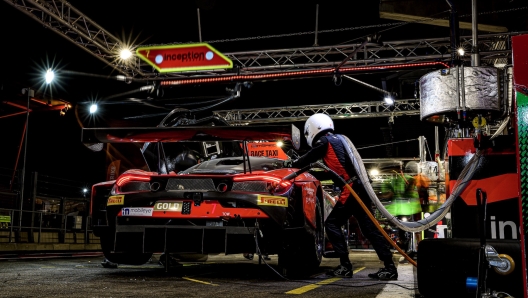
272 201
115 200
168 206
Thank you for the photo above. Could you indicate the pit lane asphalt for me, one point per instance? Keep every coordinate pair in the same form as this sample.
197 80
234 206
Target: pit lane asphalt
219 276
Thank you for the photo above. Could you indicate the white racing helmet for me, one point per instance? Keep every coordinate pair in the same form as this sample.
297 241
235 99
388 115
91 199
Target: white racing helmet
316 124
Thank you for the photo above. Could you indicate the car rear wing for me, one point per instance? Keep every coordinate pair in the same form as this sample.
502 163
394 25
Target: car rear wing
192 134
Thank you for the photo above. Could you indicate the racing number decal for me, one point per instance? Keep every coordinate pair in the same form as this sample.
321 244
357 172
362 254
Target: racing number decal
264 200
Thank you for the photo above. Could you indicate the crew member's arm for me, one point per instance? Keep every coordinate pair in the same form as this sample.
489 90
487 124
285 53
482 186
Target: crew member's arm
317 152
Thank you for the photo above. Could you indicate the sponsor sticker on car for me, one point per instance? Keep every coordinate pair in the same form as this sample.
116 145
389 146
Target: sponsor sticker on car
115 200
168 206
136 211
264 200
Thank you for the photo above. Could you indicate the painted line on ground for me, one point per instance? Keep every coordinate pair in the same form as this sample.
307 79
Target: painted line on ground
405 278
199 281
316 285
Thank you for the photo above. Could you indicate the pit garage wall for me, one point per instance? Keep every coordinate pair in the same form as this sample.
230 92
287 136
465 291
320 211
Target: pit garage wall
520 78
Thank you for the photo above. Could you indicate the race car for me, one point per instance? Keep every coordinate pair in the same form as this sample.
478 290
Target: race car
230 205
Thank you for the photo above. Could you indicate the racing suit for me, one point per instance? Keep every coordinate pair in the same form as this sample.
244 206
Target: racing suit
331 150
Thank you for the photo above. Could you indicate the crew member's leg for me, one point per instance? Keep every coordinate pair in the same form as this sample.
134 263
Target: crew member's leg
333 224
369 230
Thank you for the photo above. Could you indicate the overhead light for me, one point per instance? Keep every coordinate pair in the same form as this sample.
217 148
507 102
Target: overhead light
279 144
461 51
388 100
93 108
49 76
125 54
374 172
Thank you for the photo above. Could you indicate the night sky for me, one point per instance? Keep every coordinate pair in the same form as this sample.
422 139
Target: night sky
54 141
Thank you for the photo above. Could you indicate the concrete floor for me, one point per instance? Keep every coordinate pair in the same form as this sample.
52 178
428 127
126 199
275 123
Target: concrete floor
219 276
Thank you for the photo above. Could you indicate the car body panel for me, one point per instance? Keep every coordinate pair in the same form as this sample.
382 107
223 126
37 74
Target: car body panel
222 205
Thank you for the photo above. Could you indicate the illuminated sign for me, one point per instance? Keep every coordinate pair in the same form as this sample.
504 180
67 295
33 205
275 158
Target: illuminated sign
266 149
115 200
272 201
185 57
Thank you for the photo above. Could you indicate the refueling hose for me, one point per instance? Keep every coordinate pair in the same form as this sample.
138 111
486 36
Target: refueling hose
369 213
367 210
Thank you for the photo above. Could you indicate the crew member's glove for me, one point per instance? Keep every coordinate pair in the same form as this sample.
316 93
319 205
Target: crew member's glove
287 163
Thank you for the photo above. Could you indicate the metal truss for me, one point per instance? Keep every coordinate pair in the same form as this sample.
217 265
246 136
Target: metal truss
67 21
492 46
367 109
64 19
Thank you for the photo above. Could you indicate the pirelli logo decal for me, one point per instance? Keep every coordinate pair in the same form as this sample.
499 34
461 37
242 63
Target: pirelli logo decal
115 200
272 201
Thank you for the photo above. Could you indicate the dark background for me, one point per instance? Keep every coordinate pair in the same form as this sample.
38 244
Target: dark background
28 49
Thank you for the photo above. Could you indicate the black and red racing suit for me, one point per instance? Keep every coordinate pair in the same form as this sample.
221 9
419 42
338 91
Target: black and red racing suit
332 151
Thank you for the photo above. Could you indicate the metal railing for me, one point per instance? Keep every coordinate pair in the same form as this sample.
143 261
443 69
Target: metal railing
44 227
54 210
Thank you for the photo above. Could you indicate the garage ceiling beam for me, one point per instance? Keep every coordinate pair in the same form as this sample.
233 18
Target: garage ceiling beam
367 109
439 22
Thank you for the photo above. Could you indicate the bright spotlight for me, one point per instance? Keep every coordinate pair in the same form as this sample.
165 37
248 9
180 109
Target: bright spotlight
461 51
279 144
85 190
93 108
388 100
404 219
374 172
50 75
125 54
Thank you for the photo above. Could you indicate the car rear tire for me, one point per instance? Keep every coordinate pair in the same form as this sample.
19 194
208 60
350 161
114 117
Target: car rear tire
301 255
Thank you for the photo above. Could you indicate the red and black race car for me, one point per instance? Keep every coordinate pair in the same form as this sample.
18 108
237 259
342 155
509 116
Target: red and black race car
231 205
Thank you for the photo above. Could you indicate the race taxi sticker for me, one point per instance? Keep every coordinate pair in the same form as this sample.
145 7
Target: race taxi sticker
264 200
115 200
168 206
136 211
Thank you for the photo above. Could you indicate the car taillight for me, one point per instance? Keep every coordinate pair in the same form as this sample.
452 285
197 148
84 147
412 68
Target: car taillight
123 179
274 184
131 182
